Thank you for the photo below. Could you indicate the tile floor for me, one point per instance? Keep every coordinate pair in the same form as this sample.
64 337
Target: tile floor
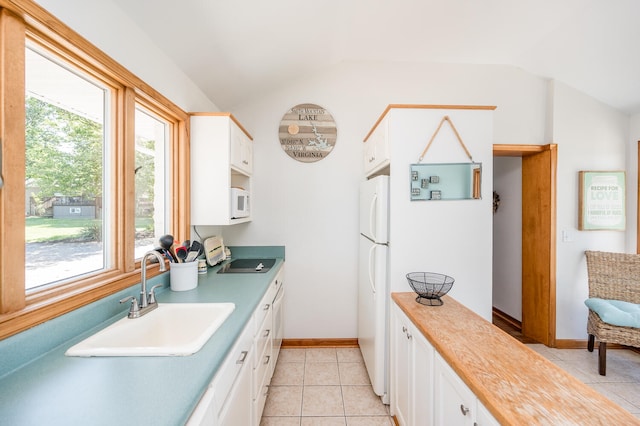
323 386
330 386
622 382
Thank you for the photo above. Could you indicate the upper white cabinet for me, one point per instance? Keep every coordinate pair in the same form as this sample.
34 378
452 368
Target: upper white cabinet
376 149
241 150
221 159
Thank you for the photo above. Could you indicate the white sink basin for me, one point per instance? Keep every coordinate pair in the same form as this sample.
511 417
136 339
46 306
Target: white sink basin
172 329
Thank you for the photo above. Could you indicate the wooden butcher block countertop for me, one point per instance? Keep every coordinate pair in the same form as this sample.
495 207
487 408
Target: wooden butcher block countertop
516 384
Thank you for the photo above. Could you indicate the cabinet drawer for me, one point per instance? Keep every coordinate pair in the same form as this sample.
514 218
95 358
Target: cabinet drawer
262 371
238 356
259 402
264 308
263 336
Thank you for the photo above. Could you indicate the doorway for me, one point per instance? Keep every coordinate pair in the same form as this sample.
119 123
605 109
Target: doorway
539 165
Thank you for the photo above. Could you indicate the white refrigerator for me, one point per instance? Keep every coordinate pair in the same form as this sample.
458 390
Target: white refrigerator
373 282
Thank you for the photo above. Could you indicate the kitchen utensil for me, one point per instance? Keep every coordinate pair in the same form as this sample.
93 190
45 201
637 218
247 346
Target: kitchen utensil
194 251
166 241
181 253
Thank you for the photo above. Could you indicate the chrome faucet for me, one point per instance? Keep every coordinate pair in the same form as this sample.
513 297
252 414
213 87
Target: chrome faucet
147 301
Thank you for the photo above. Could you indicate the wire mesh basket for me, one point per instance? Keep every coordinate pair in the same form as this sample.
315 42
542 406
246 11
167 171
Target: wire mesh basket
430 286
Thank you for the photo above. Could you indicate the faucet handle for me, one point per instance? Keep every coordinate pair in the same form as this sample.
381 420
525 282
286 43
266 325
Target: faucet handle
134 310
152 293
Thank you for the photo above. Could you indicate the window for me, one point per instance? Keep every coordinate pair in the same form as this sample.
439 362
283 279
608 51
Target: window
65 147
94 169
152 134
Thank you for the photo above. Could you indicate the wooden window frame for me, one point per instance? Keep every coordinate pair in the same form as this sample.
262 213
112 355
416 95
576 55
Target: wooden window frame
22 20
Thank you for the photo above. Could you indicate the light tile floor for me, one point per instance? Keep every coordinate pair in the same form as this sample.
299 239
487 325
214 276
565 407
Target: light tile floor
330 386
622 382
323 386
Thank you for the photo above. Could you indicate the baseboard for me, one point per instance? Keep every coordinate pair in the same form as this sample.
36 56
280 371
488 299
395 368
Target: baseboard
573 344
320 343
582 344
508 319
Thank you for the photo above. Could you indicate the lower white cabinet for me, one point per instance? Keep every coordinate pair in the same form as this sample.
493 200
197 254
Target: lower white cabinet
425 390
229 392
238 392
237 407
455 402
411 372
484 417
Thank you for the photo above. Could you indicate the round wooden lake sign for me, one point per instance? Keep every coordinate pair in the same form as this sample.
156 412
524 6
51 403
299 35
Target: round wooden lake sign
307 133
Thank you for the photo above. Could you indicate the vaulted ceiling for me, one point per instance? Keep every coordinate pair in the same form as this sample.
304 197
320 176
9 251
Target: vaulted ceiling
234 49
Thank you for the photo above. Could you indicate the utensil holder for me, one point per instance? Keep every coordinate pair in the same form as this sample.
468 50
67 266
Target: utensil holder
183 276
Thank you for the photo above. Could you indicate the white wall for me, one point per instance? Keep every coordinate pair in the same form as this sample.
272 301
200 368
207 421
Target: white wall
632 184
451 237
105 25
507 236
590 136
313 208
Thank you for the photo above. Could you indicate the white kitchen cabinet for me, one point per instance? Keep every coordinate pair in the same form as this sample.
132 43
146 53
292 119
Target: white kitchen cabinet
376 149
455 403
278 318
205 413
484 417
221 158
237 407
262 365
241 151
228 393
424 388
238 392
411 372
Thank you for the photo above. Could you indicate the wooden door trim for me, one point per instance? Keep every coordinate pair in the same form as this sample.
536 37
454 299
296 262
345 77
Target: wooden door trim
504 150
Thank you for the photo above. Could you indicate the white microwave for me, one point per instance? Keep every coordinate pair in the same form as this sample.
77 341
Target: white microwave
239 203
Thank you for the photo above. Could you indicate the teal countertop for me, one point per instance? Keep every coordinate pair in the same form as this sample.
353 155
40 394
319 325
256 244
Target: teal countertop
40 385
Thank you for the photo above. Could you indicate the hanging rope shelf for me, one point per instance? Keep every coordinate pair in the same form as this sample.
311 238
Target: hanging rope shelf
446 181
455 131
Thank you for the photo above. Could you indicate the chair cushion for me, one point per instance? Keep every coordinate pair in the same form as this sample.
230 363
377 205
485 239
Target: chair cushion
615 312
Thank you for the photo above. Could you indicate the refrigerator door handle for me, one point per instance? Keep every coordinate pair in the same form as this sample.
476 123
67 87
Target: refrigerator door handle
371 265
372 218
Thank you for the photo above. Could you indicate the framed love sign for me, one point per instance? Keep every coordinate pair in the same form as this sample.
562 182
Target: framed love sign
601 202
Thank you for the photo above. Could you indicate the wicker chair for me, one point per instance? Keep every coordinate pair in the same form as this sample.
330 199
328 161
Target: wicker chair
612 276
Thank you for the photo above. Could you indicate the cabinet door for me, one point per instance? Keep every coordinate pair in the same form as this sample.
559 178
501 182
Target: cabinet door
237 407
241 150
422 379
454 403
205 413
400 367
484 417
376 149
